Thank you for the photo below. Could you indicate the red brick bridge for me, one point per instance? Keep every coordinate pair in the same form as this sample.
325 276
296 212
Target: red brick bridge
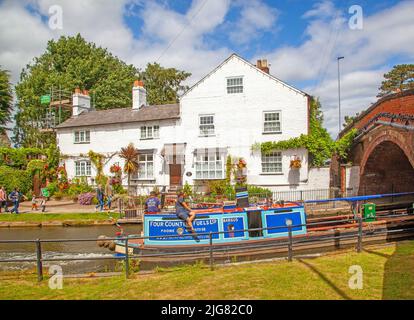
383 149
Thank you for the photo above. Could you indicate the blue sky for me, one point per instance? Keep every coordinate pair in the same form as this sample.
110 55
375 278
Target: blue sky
300 38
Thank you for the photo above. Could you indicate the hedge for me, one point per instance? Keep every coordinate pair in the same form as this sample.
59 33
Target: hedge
12 178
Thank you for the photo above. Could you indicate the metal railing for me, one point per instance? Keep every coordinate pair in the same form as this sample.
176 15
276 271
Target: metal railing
289 243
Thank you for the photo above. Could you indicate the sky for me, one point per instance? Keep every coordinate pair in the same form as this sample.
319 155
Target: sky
301 39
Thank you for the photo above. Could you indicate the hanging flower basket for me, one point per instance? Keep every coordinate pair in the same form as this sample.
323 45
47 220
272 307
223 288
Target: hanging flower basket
115 168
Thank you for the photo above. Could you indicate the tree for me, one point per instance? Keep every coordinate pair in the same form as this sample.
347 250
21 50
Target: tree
6 99
400 78
349 119
163 84
130 155
69 63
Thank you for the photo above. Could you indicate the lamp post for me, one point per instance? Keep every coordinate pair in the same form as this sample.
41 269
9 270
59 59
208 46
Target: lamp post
339 96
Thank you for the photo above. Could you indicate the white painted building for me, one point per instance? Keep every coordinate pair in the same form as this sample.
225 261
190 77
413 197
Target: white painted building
225 113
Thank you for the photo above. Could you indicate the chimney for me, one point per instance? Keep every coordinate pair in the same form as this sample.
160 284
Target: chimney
81 102
139 95
262 65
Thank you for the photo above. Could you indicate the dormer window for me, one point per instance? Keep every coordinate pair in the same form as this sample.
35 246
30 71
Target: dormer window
235 85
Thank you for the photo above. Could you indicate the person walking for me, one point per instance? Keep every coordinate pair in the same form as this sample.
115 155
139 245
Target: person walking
3 199
108 192
43 204
34 202
100 197
15 196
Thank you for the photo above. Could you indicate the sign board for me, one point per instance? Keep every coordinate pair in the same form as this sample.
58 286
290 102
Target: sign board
45 99
162 230
45 192
233 223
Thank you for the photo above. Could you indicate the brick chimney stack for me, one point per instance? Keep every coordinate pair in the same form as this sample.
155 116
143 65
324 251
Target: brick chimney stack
262 65
139 95
81 102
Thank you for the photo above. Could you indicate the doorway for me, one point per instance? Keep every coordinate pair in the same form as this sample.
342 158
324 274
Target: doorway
175 175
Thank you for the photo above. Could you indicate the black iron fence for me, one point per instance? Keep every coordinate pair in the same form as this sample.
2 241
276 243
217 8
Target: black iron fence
289 243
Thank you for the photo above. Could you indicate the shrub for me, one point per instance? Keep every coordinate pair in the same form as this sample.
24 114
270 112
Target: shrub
12 178
188 190
58 195
53 188
118 189
78 187
86 199
258 191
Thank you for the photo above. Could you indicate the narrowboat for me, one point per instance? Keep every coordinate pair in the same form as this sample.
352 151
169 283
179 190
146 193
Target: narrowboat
255 229
229 227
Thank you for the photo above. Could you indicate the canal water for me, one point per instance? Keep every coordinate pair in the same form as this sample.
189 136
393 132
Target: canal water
61 249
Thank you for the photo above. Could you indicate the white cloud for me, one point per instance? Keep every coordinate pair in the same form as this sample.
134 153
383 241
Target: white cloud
386 35
179 40
255 17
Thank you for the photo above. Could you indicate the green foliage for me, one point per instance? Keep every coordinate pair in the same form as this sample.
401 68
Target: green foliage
259 191
164 85
187 189
318 142
12 178
18 158
343 145
79 186
97 160
35 166
70 62
6 98
400 78
118 189
53 156
53 187
220 187
229 166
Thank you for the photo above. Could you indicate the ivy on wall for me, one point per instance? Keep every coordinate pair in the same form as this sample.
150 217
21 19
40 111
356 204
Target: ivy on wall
97 160
318 142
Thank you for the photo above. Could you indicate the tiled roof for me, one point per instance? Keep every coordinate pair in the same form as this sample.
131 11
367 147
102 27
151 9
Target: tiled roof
123 115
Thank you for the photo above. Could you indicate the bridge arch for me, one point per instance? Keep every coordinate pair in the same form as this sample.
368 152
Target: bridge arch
387 164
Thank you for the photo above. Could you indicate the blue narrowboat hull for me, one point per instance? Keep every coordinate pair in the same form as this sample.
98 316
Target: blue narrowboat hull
226 228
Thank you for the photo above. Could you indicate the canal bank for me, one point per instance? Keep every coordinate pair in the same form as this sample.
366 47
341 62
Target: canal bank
387 274
62 250
31 220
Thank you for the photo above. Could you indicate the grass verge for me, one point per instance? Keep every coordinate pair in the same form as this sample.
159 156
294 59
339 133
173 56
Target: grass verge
49 217
388 273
